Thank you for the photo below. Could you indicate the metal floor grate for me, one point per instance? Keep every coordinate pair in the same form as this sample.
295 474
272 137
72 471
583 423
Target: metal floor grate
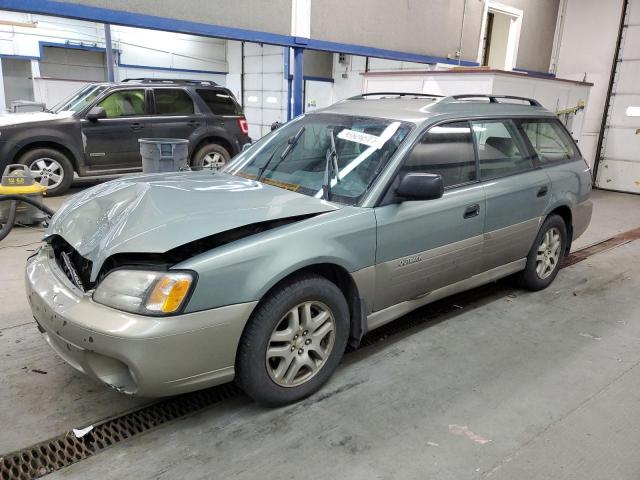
56 453
65 449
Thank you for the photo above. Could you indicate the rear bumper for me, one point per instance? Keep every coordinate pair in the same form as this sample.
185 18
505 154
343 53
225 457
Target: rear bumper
135 354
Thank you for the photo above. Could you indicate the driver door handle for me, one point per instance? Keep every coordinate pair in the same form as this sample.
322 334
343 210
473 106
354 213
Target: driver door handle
543 191
137 126
472 211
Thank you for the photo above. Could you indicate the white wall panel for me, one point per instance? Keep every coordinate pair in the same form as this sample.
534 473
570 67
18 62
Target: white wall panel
265 94
127 72
164 54
586 51
619 166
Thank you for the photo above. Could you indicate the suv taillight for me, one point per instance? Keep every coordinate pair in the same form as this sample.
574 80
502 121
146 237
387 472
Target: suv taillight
244 126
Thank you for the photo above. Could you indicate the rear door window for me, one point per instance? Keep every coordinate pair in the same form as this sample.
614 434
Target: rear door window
219 102
549 140
500 149
446 150
173 101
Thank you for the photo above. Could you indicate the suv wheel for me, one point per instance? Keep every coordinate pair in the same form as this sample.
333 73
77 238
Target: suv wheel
543 261
51 168
211 156
293 341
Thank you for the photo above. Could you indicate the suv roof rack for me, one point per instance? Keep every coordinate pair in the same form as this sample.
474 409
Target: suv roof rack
170 81
394 94
491 98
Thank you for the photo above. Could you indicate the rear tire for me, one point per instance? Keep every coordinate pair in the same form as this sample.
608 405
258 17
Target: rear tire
294 341
545 256
51 164
211 156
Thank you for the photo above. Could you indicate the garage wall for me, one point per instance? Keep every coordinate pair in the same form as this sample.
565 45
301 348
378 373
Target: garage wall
429 27
619 157
17 79
265 87
249 14
579 48
73 64
67 49
432 27
348 75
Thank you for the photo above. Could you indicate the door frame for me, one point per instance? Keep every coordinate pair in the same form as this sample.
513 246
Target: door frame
514 31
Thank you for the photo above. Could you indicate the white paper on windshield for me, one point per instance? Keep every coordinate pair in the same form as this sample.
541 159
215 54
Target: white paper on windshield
360 137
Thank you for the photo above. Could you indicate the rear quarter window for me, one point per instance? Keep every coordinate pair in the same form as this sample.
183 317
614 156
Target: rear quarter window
171 101
549 140
220 102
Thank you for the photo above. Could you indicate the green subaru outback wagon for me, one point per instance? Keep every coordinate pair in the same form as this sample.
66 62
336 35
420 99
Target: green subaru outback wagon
332 225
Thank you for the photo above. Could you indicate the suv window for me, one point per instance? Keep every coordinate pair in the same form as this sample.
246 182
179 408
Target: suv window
447 150
549 140
124 103
499 149
173 101
220 103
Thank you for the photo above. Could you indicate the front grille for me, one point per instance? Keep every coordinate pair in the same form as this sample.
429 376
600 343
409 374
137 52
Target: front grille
76 268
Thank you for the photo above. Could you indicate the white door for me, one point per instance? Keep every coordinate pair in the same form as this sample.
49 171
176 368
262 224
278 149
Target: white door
317 95
619 157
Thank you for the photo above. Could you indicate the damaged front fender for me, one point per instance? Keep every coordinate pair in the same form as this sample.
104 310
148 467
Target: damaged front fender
161 213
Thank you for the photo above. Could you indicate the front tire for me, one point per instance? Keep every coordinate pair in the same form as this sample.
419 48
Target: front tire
51 168
543 260
294 341
212 156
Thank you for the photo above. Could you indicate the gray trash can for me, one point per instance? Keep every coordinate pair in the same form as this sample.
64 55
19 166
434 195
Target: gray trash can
164 154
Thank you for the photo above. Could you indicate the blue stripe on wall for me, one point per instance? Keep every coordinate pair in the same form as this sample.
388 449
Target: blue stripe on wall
105 15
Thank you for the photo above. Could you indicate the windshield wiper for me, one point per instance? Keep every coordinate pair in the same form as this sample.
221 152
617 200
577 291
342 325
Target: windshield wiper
293 141
331 166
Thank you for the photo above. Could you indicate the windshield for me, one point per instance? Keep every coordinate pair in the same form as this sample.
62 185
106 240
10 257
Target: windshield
80 99
294 156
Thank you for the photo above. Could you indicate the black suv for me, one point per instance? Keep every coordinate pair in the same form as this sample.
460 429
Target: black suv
96 131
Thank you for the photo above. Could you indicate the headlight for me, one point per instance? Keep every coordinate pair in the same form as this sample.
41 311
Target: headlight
145 291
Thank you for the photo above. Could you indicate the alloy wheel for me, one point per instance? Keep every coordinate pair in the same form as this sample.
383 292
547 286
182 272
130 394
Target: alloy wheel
47 172
548 254
213 161
300 344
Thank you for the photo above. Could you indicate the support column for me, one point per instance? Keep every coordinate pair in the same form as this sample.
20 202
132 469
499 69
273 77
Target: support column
3 101
298 61
111 76
301 30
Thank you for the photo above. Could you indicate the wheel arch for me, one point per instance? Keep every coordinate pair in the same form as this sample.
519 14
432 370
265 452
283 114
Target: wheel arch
341 277
65 150
564 211
217 139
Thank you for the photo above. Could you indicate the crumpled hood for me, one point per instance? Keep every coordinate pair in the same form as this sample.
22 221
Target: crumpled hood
30 117
155 213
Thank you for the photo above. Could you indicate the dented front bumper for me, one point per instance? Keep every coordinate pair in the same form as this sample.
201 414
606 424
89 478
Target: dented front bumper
135 354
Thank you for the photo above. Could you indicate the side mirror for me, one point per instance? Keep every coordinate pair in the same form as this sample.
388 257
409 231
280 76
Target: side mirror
96 113
420 186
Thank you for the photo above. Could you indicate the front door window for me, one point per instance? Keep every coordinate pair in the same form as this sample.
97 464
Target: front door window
124 103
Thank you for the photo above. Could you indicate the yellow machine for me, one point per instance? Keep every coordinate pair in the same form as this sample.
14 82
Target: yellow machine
21 199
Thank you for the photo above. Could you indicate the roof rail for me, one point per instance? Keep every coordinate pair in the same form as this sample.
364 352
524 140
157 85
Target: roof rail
169 81
394 94
492 98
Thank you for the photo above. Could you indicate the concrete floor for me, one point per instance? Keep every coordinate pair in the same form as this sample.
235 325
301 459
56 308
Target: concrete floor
512 385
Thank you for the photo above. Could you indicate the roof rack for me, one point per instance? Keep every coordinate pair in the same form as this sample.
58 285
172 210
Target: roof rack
492 98
169 81
394 94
